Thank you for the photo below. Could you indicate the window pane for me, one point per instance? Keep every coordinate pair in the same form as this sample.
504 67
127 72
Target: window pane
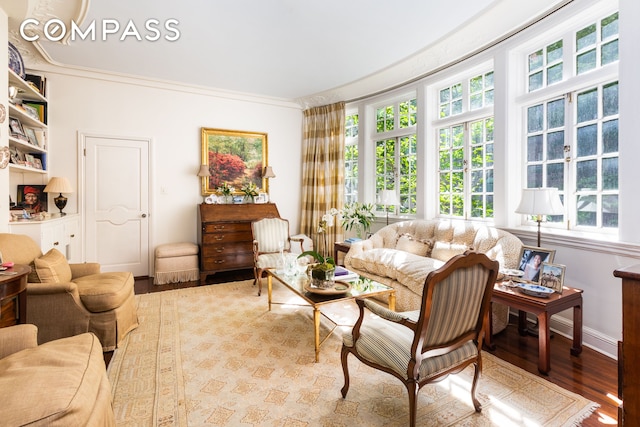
535 118
489 155
445 138
609 53
554 52
554 74
477 206
476 101
555 175
457 158
587 210
555 114
610 26
457 205
477 181
587 175
610 173
445 204
488 80
489 181
610 211
586 61
477 159
586 37
477 136
458 136
456 107
588 105
457 182
445 95
535 81
475 84
555 145
610 136
445 160
534 148
610 99
535 61
456 91
587 140
534 176
488 97
445 182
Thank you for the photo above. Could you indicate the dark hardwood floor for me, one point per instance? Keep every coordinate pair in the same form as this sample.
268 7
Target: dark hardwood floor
591 374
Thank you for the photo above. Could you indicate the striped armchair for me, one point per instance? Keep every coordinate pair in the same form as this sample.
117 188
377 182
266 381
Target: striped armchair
270 236
443 337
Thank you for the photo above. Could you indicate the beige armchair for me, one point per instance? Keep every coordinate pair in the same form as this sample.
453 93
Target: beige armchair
443 337
69 299
61 383
270 236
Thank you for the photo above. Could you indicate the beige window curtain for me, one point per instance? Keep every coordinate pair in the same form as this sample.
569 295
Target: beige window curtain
322 172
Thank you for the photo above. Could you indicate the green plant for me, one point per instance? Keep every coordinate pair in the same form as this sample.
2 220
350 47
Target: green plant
225 189
250 190
324 263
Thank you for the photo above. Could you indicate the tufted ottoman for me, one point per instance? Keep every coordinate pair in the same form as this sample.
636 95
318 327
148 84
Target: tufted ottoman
176 262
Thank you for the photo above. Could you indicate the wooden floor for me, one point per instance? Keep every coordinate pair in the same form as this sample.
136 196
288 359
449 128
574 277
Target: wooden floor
591 374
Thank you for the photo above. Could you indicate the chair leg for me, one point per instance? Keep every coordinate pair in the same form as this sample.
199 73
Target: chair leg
259 279
476 375
345 370
413 390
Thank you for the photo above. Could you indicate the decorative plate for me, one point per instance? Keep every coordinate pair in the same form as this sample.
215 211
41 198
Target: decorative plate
535 290
15 61
339 288
512 272
3 113
5 156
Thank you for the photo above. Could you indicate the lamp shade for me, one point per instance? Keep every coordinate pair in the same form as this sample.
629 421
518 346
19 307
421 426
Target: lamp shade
540 201
58 184
388 197
268 172
204 170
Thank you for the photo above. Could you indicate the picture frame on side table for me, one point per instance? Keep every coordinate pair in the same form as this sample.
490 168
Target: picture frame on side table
233 157
552 276
531 260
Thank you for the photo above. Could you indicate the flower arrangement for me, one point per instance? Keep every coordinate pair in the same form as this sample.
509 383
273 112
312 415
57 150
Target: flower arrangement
357 215
322 273
250 190
225 189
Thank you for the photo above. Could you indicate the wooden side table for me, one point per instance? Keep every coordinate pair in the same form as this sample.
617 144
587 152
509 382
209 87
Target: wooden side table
543 308
13 295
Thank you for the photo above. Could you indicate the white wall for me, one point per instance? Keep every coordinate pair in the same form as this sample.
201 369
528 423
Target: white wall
172 117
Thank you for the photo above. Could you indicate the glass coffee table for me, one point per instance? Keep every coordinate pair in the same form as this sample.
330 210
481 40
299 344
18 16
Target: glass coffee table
316 298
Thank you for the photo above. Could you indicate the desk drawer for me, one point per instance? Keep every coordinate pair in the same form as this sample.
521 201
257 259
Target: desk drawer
228 261
218 248
226 227
215 238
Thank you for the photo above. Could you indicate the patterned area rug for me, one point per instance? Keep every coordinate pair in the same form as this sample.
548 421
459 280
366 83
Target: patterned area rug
215 356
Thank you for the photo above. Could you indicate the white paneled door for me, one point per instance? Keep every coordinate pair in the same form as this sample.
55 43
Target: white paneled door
116 203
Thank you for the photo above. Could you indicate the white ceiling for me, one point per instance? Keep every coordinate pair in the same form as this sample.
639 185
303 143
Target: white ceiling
287 49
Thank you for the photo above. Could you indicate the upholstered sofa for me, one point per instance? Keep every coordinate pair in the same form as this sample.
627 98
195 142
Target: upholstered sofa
402 254
69 299
60 383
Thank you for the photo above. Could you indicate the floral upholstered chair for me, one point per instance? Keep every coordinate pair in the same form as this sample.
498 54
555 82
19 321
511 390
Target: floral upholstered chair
443 337
271 240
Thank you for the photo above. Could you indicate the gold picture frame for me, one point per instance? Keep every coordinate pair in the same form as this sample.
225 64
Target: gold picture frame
233 157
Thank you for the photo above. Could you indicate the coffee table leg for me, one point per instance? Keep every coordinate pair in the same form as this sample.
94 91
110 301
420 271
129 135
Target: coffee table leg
269 289
316 330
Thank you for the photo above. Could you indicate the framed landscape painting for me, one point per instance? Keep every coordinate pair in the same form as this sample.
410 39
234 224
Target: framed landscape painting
233 157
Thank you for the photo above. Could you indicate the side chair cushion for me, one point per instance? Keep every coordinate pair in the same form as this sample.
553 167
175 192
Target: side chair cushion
389 344
104 291
53 267
268 260
270 232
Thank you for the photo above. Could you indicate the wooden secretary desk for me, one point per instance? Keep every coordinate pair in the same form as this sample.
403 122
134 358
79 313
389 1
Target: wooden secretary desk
224 235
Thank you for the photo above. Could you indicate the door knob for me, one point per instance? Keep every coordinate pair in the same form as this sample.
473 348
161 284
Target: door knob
144 215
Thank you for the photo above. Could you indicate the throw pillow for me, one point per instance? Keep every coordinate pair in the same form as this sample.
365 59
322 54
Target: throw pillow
53 267
407 243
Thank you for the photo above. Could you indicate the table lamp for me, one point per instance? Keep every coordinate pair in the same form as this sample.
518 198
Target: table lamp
204 172
388 198
59 184
540 202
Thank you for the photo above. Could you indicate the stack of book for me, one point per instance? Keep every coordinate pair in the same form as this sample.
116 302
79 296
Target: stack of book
345 275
